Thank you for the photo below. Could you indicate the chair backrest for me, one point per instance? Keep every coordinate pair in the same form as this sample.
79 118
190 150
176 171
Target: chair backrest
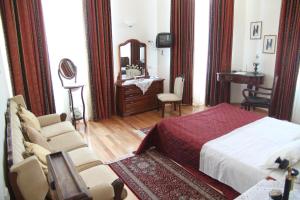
178 86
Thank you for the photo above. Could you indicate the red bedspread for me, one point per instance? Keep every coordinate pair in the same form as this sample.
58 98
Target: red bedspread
181 138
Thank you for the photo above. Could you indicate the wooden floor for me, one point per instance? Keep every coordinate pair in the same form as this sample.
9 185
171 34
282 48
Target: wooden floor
117 137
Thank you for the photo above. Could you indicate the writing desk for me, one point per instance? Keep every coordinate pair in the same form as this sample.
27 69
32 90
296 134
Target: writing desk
249 78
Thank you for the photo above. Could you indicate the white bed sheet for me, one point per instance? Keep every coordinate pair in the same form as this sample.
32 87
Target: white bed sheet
236 158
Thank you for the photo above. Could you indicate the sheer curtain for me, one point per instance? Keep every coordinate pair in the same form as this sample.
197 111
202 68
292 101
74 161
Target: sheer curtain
200 51
296 110
65 31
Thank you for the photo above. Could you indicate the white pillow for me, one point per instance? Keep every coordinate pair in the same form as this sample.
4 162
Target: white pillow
290 151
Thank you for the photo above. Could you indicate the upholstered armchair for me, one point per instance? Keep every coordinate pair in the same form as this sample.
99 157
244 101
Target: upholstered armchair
172 98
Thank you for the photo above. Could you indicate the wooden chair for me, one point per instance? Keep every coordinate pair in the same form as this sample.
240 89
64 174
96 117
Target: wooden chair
172 98
264 100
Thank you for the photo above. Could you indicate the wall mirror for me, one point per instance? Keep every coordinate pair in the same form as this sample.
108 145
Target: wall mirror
133 60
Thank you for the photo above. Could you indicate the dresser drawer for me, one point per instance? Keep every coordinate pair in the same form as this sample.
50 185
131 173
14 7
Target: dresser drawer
131 100
140 104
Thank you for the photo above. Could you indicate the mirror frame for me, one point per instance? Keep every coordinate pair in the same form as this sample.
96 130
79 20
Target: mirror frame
119 54
61 74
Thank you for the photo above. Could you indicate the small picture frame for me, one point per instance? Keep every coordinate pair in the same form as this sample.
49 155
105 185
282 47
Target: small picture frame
255 30
269 44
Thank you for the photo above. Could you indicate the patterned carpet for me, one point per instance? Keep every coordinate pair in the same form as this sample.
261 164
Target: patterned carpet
153 176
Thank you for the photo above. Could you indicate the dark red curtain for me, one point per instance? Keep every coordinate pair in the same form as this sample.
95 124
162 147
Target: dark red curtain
99 36
182 52
219 50
28 54
287 59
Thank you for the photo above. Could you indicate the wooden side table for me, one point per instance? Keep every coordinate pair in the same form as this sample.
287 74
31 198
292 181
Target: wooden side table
72 89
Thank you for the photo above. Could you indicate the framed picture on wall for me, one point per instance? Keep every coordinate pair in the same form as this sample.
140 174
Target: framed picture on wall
255 30
269 44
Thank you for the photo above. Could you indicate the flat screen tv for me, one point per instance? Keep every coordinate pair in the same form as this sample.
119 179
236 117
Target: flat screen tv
164 40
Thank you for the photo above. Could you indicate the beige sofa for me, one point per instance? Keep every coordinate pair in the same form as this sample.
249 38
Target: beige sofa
26 177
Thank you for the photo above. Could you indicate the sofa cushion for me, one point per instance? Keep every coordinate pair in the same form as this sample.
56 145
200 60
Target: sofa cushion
38 151
29 118
67 142
36 137
84 158
99 179
57 129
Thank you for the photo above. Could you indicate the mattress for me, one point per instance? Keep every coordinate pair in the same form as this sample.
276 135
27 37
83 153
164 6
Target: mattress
237 158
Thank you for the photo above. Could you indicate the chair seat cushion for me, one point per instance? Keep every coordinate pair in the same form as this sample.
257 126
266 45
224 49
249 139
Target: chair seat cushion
67 142
57 129
83 158
165 97
259 101
99 179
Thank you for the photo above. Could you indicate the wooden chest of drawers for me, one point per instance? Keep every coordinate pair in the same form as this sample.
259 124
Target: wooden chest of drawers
131 100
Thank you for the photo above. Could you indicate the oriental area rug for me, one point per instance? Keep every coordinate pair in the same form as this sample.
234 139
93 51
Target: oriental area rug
153 176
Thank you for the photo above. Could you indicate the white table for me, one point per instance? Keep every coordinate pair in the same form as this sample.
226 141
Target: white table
261 191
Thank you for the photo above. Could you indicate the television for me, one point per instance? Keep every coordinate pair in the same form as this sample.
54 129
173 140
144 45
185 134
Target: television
164 40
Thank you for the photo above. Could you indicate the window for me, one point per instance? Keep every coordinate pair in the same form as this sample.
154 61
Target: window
65 31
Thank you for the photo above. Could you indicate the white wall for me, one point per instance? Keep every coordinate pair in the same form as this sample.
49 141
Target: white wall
296 110
5 93
143 15
245 50
163 54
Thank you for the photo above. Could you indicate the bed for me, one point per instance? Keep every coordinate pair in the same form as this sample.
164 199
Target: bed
225 142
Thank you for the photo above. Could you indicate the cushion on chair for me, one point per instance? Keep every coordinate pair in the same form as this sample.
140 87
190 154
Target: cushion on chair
36 137
67 142
165 97
57 129
84 158
29 118
39 151
99 179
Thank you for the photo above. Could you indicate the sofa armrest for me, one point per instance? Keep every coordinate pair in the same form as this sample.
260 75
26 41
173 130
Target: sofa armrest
62 173
30 179
47 120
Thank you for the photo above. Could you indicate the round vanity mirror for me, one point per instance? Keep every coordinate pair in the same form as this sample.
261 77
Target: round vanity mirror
67 69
